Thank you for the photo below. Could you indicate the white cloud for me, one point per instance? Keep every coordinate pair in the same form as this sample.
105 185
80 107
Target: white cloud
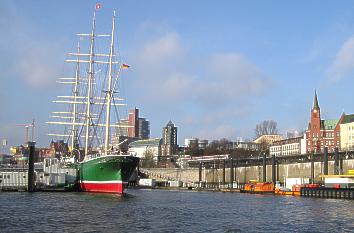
159 65
207 92
176 86
164 65
162 49
344 61
232 77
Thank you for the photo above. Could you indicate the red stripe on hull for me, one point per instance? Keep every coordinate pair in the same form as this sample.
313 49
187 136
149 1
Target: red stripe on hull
102 187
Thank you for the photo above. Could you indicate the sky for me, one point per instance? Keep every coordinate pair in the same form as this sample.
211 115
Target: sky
214 68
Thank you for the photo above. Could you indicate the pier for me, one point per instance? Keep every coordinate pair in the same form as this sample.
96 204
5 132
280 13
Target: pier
322 192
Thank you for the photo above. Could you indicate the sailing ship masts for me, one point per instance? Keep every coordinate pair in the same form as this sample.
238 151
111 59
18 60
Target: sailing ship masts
75 93
84 97
87 54
71 117
64 82
96 35
62 117
62 135
109 89
89 94
91 61
77 123
78 102
70 113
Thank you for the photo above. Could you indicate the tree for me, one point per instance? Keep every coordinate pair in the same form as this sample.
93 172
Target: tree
266 127
217 147
148 160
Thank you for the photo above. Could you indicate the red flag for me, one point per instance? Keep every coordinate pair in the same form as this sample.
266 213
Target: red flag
98 6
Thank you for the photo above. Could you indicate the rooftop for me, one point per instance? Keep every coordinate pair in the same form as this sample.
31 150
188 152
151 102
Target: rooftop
329 124
348 119
146 142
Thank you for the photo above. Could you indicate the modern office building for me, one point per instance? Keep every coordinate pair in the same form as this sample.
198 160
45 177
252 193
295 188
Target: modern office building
143 128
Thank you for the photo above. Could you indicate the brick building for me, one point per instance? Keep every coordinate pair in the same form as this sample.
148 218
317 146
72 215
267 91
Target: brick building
134 126
322 133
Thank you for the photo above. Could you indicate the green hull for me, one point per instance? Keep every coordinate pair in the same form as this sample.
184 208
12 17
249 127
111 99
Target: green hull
107 173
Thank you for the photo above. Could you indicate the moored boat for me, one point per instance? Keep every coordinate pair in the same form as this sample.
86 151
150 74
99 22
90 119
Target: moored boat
104 168
258 188
108 174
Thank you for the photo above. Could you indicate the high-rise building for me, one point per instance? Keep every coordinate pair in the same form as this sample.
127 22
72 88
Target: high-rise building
169 139
123 130
134 126
143 128
133 121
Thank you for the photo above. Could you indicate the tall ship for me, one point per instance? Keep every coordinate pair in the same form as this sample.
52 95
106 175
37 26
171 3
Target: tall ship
92 114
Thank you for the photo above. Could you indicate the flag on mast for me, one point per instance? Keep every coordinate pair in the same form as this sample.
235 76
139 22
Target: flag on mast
125 66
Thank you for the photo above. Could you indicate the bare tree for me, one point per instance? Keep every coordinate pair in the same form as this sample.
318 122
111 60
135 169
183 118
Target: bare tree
266 127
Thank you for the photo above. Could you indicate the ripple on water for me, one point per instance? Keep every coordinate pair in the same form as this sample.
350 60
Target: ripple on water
171 211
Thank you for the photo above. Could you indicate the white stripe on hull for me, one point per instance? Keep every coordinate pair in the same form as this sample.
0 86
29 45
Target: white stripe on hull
103 182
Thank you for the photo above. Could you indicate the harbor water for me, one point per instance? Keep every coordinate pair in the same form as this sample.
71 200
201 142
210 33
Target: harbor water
171 211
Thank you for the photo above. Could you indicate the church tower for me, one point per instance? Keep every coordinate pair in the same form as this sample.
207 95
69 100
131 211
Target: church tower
315 125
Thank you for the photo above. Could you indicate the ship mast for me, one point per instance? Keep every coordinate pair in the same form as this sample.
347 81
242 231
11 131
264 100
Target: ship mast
86 121
76 93
109 89
89 85
74 114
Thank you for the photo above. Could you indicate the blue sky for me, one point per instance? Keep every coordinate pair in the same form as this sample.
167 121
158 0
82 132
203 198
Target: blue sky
215 68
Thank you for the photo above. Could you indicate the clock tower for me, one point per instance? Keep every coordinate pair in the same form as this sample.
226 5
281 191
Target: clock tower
315 126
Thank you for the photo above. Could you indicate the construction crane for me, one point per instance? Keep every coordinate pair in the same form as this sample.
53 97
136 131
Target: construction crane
27 126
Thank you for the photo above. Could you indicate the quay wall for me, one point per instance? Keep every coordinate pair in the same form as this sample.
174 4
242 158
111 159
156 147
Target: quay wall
244 174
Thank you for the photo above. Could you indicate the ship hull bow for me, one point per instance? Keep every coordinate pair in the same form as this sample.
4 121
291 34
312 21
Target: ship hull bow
107 174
